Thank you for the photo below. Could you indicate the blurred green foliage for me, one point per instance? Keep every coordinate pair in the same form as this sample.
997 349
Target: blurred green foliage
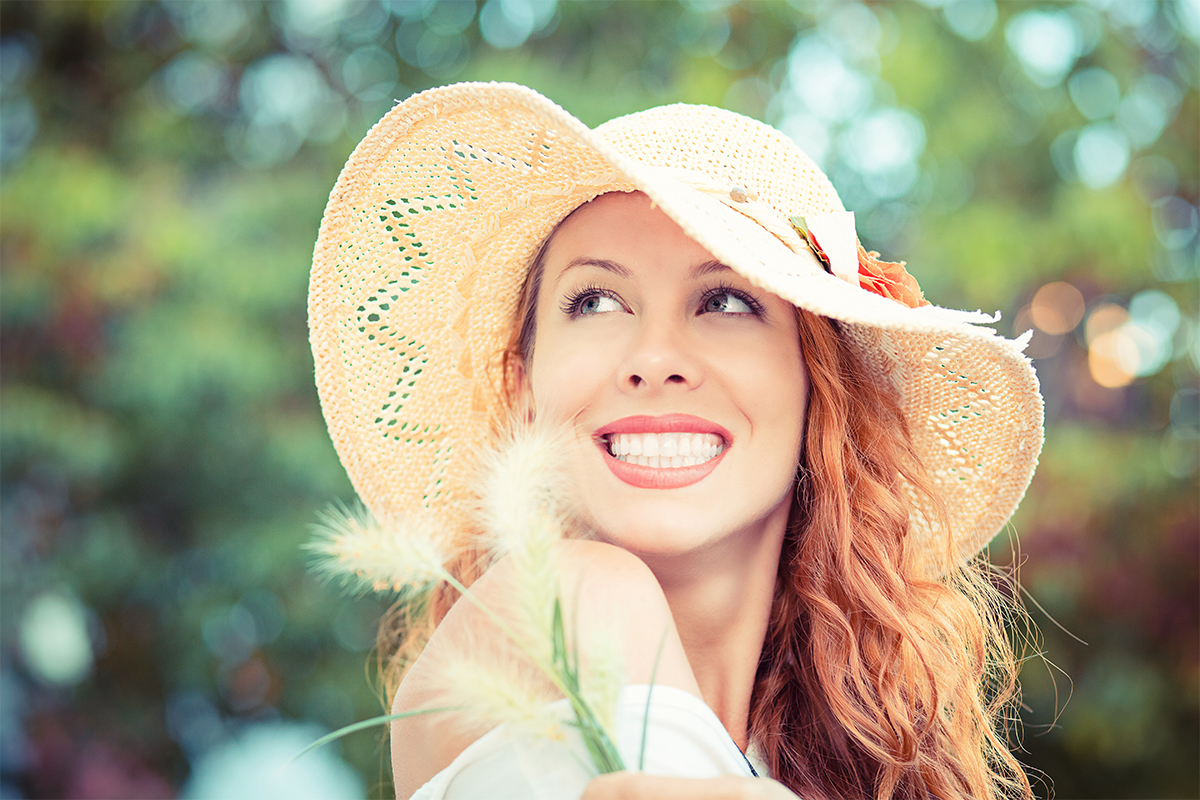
164 169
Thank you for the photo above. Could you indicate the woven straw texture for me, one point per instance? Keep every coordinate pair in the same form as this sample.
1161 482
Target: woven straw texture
435 219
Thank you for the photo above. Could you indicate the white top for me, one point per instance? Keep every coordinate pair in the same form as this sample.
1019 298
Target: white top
684 738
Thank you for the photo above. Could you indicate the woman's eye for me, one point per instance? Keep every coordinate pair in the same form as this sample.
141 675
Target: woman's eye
593 303
727 303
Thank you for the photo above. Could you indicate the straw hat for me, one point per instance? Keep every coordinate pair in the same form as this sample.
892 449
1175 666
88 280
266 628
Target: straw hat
435 219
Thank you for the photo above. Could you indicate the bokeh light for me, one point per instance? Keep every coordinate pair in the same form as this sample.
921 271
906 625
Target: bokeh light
823 83
1127 344
970 19
258 765
884 146
193 82
1115 356
1104 318
1175 222
213 25
54 638
1095 92
1146 110
18 115
1047 42
1057 307
370 73
506 24
1101 155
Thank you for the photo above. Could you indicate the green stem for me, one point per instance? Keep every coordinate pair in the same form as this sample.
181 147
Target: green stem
368 723
646 717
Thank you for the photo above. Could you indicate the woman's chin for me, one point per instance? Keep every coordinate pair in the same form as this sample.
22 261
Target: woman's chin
655 535
659 532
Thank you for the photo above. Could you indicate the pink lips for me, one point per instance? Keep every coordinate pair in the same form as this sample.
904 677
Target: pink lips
664 477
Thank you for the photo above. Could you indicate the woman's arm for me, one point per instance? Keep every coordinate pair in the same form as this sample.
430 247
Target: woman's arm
616 591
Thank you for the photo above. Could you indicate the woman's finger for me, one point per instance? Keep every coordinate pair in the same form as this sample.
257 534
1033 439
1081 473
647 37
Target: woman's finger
638 786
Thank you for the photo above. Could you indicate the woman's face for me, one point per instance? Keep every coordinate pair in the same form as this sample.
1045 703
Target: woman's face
684 382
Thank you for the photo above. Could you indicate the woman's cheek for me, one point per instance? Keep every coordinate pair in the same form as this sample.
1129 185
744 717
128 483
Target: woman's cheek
561 382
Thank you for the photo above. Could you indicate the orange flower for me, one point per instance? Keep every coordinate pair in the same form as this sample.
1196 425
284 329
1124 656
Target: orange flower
888 279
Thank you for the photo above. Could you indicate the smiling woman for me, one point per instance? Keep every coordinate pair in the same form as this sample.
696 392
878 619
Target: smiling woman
784 457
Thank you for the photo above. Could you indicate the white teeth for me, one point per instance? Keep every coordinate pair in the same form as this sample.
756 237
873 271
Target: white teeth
668 444
665 450
650 444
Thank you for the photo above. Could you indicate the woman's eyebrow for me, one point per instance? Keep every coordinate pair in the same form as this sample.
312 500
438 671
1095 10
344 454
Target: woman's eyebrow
602 263
699 271
710 267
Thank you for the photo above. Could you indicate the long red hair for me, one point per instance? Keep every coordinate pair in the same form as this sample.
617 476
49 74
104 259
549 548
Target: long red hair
875 680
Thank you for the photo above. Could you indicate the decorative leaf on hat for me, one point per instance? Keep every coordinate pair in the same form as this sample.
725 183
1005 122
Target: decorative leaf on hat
834 234
801 225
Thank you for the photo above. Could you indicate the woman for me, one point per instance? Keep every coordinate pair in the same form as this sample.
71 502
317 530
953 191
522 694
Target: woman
683 279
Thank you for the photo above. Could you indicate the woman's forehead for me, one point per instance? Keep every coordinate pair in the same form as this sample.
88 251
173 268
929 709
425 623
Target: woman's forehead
619 230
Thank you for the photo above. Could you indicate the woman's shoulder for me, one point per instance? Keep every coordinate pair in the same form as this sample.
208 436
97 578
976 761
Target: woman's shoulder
619 589
426 742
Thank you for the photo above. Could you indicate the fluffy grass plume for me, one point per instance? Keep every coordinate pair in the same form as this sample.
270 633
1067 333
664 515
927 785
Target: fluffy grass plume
370 556
523 512
523 495
494 686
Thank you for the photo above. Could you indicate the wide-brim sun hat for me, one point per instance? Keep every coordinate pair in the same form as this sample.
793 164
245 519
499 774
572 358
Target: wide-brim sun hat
436 218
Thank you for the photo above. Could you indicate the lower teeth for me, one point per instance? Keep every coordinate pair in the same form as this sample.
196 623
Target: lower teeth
663 461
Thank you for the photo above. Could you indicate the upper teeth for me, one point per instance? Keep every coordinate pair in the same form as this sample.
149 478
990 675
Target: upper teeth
665 449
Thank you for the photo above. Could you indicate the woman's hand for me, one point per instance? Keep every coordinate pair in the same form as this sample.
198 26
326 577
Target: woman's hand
639 786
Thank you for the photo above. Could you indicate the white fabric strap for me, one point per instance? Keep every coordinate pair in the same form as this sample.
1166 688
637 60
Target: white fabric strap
833 231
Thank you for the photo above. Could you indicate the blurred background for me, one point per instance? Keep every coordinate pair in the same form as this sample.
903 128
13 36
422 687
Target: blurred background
164 168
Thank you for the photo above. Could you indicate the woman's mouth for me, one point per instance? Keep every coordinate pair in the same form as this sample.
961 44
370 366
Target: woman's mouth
669 451
664 450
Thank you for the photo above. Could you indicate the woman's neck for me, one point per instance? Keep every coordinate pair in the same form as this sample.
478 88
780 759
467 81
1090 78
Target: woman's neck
721 598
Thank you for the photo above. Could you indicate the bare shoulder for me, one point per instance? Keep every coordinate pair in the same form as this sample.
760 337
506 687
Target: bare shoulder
426 743
601 585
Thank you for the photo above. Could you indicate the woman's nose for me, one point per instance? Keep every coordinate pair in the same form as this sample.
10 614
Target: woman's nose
660 356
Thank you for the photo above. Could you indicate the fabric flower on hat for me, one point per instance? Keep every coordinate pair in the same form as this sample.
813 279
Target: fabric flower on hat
888 279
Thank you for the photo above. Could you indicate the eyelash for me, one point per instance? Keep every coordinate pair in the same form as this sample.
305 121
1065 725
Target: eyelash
756 308
572 304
